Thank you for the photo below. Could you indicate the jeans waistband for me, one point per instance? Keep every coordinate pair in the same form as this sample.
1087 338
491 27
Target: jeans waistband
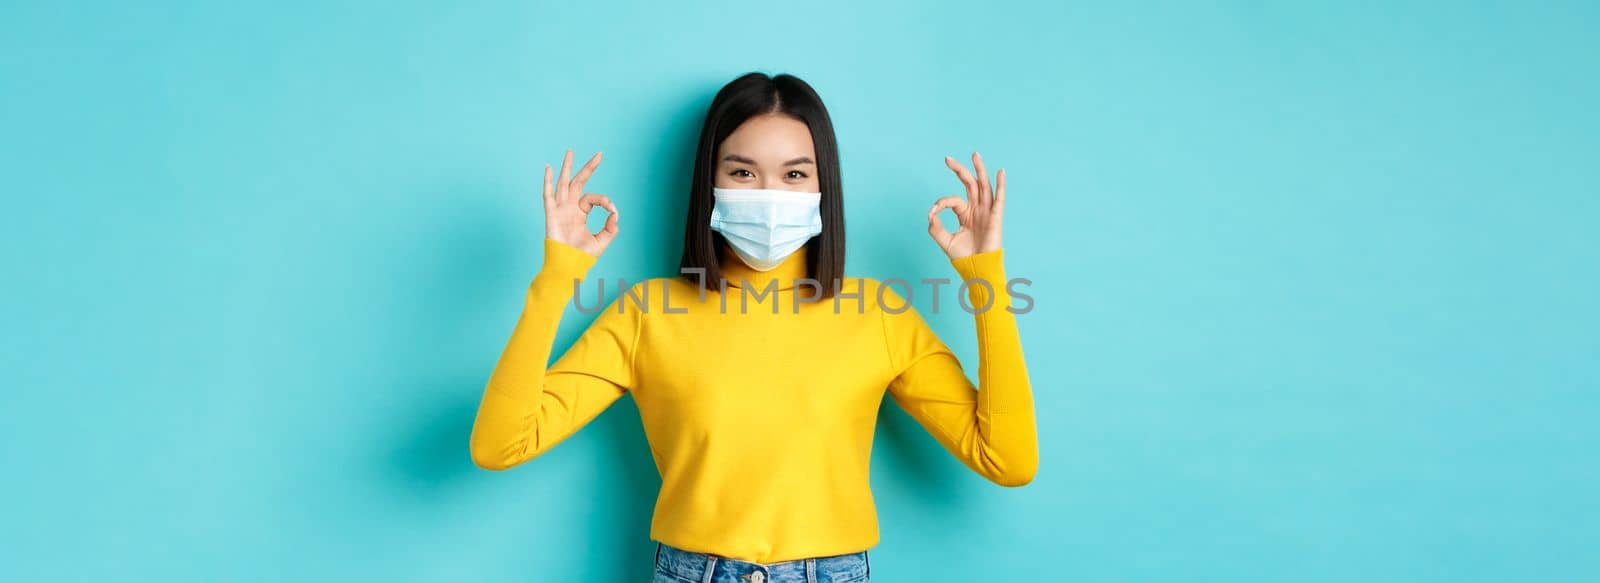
701 567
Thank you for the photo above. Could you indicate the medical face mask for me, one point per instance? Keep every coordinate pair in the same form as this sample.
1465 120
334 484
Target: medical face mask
764 225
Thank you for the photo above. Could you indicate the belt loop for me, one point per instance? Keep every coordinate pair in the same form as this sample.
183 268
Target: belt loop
811 571
711 568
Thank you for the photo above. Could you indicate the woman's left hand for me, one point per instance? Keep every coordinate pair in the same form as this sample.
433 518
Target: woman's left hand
979 214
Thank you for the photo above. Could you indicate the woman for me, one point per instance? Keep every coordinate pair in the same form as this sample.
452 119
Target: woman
758 372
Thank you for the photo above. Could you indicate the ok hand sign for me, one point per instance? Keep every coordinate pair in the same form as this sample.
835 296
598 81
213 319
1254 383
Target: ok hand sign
979 214
566 208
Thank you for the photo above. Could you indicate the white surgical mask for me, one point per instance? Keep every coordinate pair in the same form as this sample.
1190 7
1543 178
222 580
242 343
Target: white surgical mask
764 225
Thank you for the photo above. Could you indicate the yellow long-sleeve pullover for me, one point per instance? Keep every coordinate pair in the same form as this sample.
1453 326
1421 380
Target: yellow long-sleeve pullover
761 423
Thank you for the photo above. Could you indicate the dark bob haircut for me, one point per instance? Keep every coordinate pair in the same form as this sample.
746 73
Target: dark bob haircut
741 99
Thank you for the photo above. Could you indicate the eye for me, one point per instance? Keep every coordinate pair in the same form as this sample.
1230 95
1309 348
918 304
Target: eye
796 174
736 172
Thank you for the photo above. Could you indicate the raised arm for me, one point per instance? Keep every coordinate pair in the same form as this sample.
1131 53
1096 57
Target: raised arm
991 427
527 408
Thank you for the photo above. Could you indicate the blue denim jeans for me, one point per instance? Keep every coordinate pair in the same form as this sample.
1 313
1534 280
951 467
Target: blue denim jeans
675 565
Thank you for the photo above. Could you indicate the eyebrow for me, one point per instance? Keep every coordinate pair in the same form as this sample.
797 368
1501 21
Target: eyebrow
744 160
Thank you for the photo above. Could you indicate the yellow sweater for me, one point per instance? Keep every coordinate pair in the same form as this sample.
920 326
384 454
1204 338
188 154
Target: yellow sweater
761 424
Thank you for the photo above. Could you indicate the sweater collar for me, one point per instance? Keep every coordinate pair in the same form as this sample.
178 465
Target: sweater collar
792 268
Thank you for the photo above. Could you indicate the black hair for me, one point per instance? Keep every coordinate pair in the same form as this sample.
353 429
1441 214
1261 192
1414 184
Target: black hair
750 95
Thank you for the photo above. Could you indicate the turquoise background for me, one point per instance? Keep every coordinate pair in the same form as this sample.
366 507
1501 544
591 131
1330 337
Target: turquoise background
1314 283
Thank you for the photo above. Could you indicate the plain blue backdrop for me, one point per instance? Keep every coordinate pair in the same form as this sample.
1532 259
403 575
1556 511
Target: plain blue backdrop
1315 283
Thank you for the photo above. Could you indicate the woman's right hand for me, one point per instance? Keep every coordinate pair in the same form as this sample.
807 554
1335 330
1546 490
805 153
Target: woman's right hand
566 208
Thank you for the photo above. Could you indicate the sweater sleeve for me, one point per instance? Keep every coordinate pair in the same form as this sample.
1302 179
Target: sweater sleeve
990 428
527 408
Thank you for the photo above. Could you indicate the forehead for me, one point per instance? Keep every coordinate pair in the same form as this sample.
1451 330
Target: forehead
770 138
